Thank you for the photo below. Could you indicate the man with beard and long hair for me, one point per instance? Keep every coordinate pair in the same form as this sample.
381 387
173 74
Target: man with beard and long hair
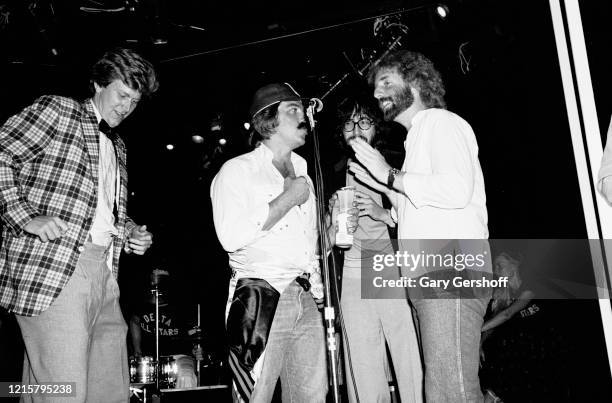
372 323
264 211
438 194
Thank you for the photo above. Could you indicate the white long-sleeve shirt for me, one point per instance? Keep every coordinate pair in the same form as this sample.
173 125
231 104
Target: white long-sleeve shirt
444 192
103 227
241 193
443 182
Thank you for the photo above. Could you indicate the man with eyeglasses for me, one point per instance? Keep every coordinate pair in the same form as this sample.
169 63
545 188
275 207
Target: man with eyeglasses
384 319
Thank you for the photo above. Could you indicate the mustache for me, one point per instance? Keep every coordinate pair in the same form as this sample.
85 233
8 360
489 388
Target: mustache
303 125
385 99
357 136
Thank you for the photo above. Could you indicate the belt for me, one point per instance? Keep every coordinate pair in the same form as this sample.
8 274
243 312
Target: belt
303 280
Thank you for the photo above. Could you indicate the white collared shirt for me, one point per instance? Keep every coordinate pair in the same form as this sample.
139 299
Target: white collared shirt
103 226
443 180
241 193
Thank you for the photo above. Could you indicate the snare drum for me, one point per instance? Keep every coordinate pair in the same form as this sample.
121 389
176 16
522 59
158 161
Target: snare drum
168 371
143 370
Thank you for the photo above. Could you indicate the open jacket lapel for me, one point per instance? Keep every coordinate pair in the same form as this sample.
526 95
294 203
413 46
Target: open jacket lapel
92 139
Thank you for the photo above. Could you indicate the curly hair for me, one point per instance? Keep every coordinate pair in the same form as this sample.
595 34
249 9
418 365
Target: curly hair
416 70
364 105
127 66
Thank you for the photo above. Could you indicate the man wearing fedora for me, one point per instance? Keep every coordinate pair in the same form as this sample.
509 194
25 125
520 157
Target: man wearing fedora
264 212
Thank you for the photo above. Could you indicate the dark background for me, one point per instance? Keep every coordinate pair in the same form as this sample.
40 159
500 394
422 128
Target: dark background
217 53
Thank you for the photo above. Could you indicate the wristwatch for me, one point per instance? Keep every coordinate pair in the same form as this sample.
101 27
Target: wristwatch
393 172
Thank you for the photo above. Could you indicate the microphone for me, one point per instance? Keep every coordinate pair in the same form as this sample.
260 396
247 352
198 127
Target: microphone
316 103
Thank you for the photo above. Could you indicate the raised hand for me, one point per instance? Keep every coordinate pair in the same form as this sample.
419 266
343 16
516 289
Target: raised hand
298 189
366 178
371 159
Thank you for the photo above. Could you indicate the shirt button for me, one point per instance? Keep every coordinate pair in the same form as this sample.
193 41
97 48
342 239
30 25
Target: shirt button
81 248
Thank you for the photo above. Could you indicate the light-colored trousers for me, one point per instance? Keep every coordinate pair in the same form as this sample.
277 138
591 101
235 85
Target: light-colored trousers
450 334
81 338
369 323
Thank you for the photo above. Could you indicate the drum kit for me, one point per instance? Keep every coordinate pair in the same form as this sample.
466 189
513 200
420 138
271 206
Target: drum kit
149 374
146 371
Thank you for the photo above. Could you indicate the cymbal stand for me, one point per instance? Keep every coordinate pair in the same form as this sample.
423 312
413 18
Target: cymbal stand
198 347
156 292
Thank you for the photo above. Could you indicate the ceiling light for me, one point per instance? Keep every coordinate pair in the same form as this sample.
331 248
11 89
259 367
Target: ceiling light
442 11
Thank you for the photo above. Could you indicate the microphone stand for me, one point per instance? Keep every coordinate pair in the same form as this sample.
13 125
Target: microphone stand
365 68
198 347
324 241
156 292
329 310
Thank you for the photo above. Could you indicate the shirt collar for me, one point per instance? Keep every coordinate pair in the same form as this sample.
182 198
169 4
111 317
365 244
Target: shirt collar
98 117
299 163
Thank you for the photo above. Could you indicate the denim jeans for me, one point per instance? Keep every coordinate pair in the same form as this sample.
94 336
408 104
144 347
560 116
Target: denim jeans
450 337
295 351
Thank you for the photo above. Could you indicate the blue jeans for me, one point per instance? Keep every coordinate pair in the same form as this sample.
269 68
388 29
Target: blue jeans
295 351
450 337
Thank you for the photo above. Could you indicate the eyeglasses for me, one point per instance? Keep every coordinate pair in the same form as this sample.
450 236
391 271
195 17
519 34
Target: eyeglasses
363 123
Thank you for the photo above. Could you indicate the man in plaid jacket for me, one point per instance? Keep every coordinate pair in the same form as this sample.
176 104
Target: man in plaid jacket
63 196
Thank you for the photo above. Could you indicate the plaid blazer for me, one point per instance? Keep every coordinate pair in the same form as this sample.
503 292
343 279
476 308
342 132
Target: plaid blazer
49 166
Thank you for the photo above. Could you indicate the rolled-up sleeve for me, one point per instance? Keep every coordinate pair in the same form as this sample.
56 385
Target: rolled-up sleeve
238 218
451 181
